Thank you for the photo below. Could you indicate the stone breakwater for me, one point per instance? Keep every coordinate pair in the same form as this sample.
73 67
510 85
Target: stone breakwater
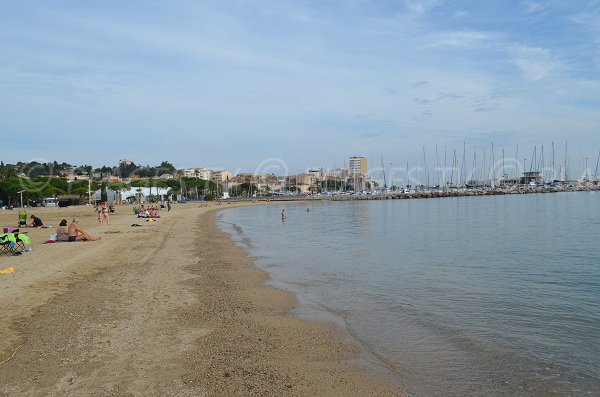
458 193
422 194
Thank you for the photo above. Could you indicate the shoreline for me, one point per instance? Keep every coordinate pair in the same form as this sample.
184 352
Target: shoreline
143 311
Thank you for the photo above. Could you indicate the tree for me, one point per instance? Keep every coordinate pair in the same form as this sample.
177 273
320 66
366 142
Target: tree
83 170
80 191
126 170
8 190
82 183
104 170
294 189
331 184
165 168
145 172
140 183
7 171
173 183
52 191
243 190
117 186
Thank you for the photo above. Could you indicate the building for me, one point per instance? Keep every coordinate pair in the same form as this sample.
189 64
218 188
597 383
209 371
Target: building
531 177
317 173
358 166
220 176
136 195
338 173
304 179
189 173
201 173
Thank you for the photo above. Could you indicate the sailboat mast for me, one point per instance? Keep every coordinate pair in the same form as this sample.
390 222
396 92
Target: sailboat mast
453 163
462 167
437 166
503 169
553 167
493 167
516 162
542 162
445 169
597 161
474 171
383 170
425 167
565 170
483 163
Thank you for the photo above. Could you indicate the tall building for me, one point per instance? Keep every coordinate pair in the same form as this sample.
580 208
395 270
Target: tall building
358 166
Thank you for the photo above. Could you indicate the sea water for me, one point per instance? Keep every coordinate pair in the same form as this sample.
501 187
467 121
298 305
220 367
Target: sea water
469 296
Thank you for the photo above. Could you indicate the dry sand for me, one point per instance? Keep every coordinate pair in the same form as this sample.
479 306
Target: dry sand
169 308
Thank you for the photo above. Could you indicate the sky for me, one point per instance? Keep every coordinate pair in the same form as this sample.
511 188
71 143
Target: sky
282 86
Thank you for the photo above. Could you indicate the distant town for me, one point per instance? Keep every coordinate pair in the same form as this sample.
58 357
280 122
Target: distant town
34 183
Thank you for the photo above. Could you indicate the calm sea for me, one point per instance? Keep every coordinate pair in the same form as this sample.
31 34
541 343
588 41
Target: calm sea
472 296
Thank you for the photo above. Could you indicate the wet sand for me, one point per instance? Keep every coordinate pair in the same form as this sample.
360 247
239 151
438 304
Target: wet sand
171 307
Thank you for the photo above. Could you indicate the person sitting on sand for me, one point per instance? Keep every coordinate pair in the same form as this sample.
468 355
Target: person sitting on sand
76 234
62 232
36 222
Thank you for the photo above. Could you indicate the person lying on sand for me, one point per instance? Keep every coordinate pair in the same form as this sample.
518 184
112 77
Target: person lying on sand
76 234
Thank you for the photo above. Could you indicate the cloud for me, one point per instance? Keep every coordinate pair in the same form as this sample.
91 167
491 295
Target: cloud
451 95
460 38
370 135
422 101
533 7
535 63
421 83
484 109
422 6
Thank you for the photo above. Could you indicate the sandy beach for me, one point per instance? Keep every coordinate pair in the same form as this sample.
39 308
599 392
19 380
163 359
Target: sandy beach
172 307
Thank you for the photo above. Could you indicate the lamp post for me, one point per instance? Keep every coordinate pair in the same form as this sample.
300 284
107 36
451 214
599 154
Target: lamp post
21 193
89 188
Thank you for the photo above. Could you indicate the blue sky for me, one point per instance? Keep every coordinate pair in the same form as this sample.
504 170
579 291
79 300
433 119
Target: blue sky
233 84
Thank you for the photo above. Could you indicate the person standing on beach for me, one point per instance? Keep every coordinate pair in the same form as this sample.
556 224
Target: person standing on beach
168 206
105 212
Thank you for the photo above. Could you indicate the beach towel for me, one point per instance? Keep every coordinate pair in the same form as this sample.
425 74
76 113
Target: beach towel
7 270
